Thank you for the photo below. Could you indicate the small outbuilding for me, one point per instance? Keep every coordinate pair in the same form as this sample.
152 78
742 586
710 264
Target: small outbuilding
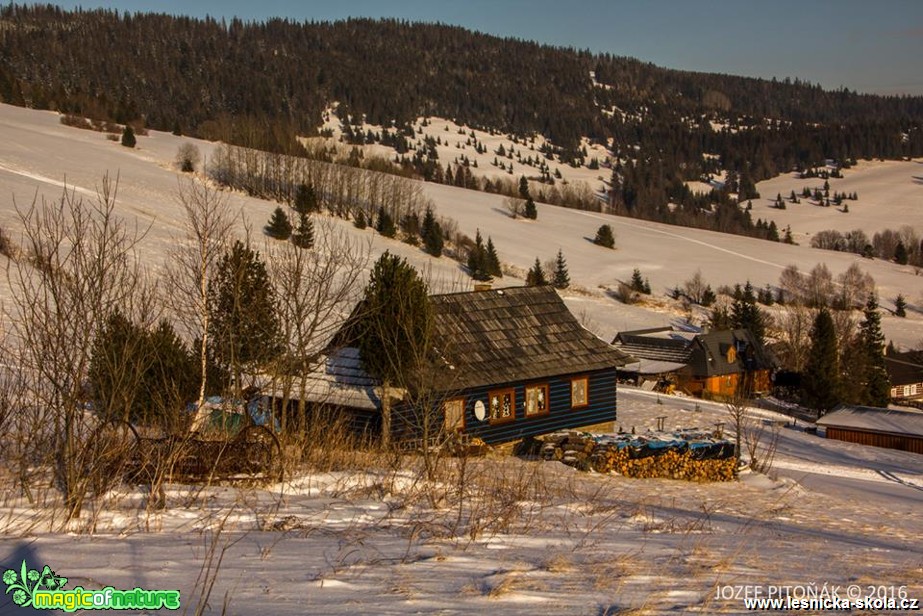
879 427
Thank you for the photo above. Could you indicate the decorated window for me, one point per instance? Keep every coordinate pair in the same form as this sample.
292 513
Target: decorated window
536 399
502 405
454 414
579 392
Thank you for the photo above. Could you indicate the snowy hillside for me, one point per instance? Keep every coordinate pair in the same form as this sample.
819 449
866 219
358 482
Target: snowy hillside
38 156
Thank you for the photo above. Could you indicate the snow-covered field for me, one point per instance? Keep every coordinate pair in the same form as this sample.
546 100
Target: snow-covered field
890 196
533 536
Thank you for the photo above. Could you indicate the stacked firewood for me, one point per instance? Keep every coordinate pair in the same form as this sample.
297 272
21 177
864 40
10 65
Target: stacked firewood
689 456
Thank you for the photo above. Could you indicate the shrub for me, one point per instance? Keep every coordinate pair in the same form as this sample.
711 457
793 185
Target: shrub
605 237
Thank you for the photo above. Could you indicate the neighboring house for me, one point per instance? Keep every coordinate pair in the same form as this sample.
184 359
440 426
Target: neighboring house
708 364
511 363
905 371
878 427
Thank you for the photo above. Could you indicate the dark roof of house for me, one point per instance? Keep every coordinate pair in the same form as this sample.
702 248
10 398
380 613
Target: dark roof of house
659 344
904 368
705 353
872 419
515 334
712 359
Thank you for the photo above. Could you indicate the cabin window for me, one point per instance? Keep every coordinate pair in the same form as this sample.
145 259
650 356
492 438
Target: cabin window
502 404
579 392
732 355
536 399
454 415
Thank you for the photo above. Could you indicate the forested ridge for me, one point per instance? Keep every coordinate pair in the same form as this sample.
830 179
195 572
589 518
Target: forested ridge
259 84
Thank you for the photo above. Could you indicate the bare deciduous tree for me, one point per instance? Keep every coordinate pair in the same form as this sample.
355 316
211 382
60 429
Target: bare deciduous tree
315 290
855 287
695 287
819 286
188 157
209 223
514 206
78 264
793 285
793 332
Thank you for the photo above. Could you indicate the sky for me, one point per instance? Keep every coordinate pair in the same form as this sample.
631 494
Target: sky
866 46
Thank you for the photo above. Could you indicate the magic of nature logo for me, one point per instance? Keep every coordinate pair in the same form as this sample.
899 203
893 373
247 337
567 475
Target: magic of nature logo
44 590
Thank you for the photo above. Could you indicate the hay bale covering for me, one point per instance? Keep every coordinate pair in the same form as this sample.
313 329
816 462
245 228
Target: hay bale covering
690 455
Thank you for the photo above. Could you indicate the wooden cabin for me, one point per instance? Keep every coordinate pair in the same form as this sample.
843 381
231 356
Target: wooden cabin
505 364
521 365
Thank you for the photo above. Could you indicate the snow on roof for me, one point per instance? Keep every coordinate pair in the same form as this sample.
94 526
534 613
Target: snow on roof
648 366
874 419
339 380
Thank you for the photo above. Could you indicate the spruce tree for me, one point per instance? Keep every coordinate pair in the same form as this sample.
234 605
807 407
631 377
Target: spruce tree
477 259
523 187
393 330
560 278
605 237
900 253
128 137
492 261
244 324
820 381
385 224
530 211
872 341
279 226
303 236
708 296
900 306
431 232
536 275
306 199
359 221
745 313
394 321
637 282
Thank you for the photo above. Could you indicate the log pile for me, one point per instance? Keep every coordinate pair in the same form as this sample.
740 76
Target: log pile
685 455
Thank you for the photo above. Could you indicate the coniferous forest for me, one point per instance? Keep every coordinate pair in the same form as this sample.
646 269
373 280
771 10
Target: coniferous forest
262 84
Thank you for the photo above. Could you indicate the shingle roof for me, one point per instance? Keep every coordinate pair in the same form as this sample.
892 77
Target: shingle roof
655 344
705 354
711 360
515 334
905 368
873 419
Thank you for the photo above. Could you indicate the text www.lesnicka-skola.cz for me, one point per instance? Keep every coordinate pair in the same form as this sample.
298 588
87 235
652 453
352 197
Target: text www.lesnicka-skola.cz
819 597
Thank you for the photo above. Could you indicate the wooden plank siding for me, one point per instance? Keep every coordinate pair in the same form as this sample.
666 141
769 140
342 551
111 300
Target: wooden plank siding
601 408
902 442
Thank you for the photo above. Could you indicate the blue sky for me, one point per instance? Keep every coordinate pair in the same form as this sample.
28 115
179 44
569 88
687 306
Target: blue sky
868 46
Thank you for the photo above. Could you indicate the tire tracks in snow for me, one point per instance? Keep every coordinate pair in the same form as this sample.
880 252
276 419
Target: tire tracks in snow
686 239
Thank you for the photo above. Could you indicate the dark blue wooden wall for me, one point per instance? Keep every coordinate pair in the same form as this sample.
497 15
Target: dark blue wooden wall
562 416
